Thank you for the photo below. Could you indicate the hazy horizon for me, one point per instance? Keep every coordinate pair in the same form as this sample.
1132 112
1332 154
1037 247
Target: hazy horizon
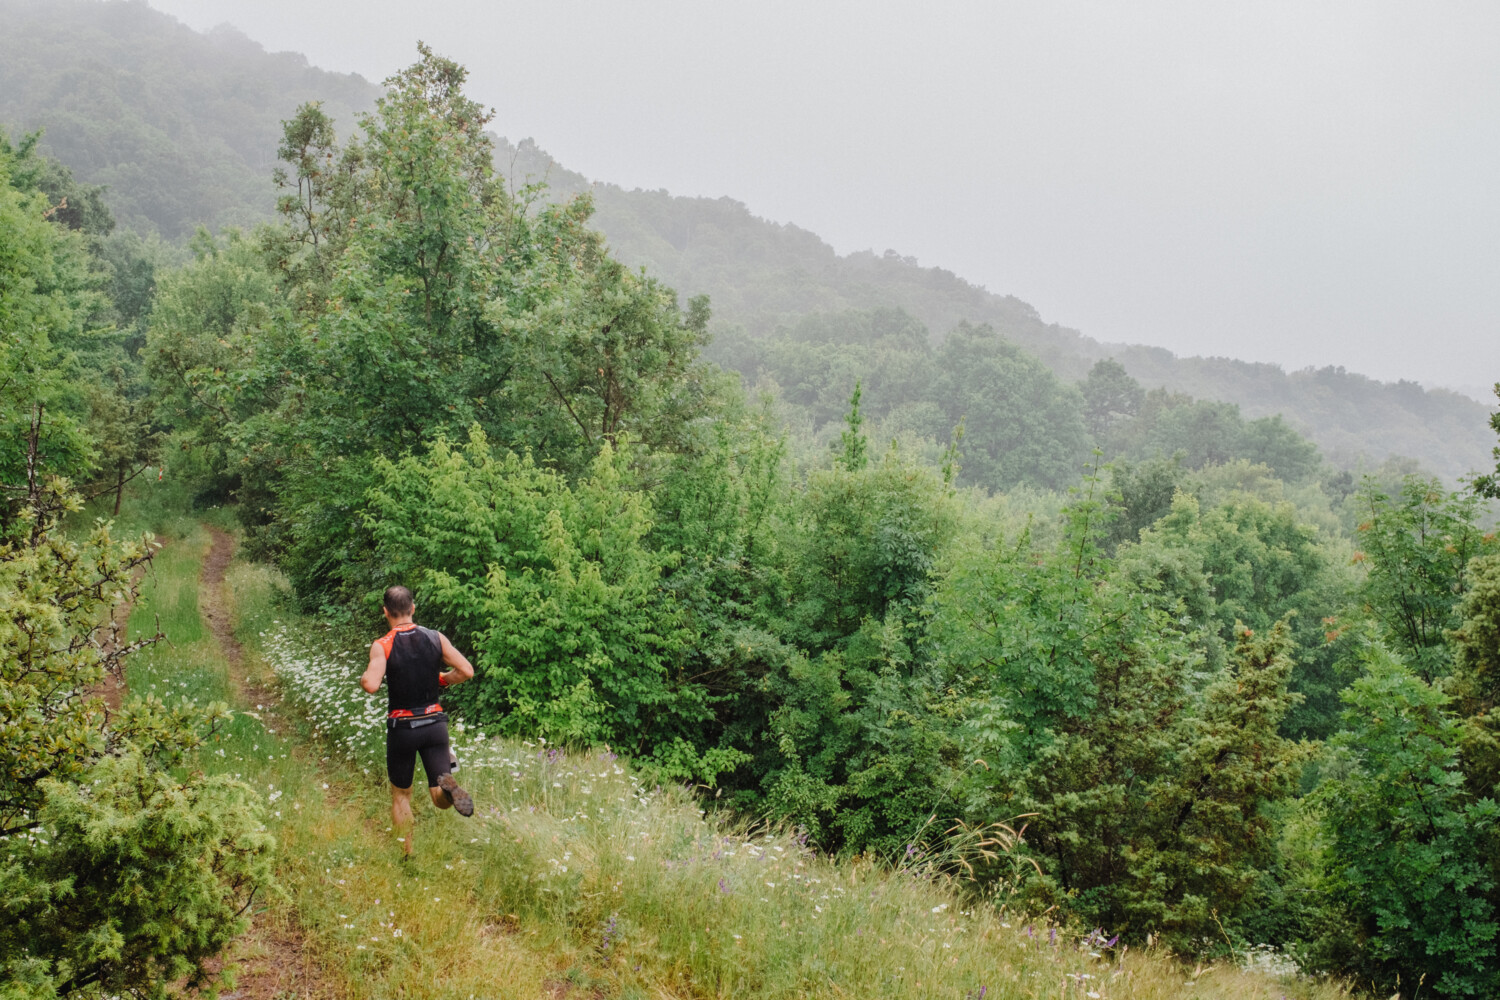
1268 182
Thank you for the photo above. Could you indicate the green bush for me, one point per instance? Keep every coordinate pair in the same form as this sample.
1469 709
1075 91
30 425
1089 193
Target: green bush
1408 849
132 880
551 587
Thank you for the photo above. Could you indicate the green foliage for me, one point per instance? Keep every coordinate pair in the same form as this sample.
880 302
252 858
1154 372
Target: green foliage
62 285
1110 396
861 743
852 728
1021 423
1153 807
1147 777
409 296
866 541
134 880
1247 562
1408 849
121 877
57 647
1142 493
1418 545
551 586
1475 684
855 451
49 297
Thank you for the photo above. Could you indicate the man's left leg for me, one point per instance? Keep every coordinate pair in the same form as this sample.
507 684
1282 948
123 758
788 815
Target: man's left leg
402 820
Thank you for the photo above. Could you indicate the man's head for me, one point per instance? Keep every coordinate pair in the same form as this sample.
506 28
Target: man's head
398 602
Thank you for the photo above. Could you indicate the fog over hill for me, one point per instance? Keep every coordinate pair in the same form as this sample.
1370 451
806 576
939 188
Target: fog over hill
183 128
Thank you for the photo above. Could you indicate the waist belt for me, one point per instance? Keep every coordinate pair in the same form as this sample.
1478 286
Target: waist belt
406 713
420 717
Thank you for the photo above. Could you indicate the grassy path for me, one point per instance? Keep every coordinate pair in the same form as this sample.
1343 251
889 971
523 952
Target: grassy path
573 879
339 867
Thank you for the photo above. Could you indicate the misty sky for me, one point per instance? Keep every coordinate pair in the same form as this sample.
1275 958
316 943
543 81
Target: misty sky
1302 183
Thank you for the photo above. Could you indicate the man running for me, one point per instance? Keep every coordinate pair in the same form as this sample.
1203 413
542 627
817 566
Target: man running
412 661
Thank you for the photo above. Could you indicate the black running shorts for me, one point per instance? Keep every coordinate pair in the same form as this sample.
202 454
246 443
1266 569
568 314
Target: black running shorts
403 741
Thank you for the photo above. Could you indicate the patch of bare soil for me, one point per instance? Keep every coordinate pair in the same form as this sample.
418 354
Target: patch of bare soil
274 960
274 964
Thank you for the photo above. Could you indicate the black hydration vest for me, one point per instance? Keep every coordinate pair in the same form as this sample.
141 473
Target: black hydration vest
413 660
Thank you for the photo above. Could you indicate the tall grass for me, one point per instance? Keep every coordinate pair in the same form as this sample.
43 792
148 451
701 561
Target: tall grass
575 877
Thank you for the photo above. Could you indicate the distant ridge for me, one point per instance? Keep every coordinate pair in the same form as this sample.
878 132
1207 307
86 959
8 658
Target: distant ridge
183 127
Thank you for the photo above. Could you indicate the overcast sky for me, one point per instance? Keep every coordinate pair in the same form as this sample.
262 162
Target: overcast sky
1304 183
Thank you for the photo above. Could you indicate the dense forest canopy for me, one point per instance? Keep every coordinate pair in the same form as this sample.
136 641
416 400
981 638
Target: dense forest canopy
183 128
891 586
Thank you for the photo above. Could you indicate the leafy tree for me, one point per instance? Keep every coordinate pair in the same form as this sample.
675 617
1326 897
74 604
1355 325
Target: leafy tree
1110 396
1475 684
1246 562
76 206
866 540
1270 441
49 294
1143 493
1417 545
861 743
847 710
1408 848
213 324
1021 423
721 511
854 448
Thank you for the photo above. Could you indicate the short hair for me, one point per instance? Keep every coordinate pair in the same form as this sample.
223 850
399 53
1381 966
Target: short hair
398 600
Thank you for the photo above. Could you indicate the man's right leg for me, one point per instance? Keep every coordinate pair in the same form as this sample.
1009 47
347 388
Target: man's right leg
401 818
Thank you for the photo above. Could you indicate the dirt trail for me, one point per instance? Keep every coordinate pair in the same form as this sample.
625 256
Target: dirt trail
212 600
275 962
215 605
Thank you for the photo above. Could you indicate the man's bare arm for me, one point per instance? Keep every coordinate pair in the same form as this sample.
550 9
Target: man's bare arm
460 669
375 672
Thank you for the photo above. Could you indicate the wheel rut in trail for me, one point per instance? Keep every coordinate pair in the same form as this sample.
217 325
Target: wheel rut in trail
273 956
215 606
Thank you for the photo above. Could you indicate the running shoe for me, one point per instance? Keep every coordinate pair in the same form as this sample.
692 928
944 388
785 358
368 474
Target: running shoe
456 795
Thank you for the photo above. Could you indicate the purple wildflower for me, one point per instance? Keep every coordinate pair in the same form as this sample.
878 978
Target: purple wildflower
608 939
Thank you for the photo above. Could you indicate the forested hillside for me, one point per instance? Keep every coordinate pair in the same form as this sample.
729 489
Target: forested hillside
183 128
961 675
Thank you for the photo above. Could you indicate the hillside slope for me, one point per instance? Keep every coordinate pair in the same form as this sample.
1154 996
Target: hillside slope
183 127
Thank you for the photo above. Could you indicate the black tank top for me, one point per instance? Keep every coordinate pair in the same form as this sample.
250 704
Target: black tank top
413 660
